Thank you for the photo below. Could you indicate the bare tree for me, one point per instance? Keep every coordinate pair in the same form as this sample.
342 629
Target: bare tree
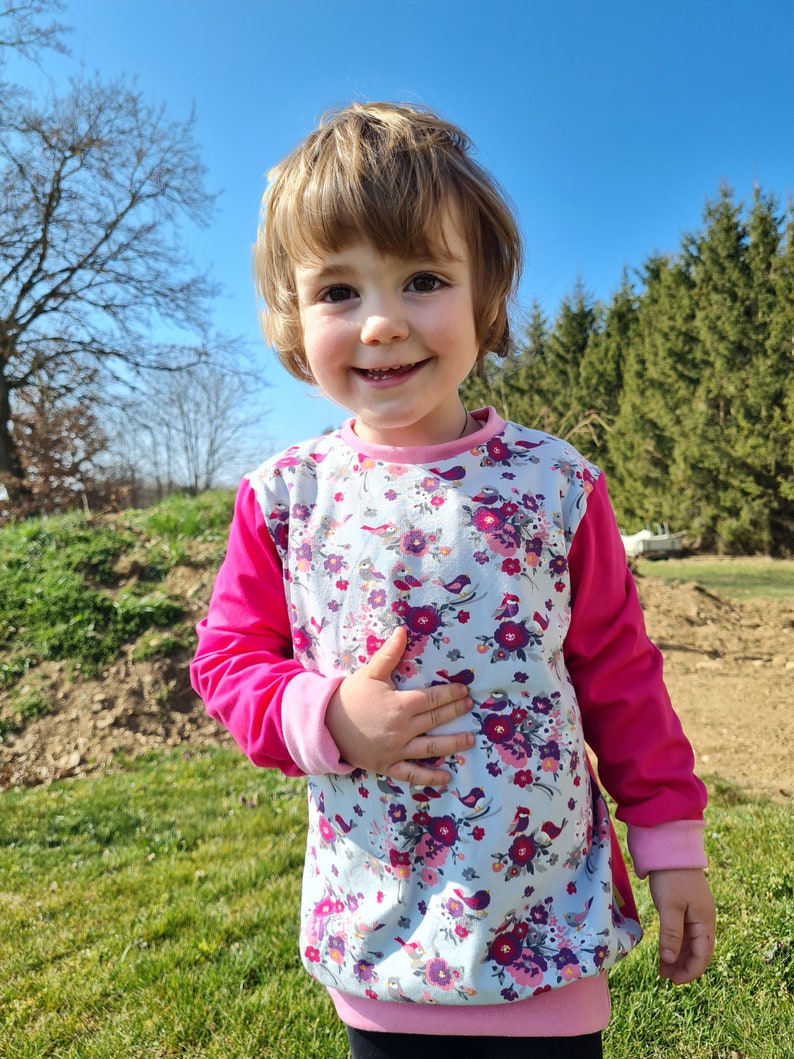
22 31
197 428
95 185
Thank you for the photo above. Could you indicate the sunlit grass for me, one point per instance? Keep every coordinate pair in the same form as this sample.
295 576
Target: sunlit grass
154 912
750 578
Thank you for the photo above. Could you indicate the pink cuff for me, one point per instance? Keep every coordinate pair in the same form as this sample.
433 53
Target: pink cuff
677 844
303 720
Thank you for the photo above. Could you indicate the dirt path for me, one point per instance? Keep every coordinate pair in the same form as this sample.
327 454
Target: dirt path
729 667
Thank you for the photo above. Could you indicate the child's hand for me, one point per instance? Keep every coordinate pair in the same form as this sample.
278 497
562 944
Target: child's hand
687 922
383 730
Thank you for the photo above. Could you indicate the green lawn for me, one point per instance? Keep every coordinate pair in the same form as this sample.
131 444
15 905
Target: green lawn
748 578
153 912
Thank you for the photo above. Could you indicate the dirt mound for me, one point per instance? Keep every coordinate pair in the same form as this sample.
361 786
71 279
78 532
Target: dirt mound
729 667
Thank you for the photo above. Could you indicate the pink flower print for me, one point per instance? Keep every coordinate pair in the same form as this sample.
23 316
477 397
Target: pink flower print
423 621
301 640
430 876
505 948
312 954
342 585
512 635
374 643
390 495
461 931
438 973
303 556
414 542
325 907
339 497
437 501
505 540
401 864
568 965
487 519
327 833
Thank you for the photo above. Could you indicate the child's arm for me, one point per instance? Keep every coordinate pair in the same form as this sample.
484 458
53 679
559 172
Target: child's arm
383 730
687 922
645 760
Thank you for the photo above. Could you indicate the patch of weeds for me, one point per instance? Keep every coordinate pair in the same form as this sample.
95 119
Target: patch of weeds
32 705
157 646
14 668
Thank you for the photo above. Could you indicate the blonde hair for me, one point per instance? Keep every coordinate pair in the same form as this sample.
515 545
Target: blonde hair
387 173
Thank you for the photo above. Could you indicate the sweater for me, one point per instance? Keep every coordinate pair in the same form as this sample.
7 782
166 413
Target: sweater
502 899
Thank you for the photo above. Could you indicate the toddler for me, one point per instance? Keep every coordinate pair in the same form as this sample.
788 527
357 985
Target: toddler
429 614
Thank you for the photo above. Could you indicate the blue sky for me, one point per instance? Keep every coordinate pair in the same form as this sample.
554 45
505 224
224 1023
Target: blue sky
608 122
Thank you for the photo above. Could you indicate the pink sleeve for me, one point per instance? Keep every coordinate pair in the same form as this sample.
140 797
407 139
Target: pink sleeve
644 759
244 668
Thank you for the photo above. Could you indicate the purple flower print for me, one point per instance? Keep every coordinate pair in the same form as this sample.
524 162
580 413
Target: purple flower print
512 635
539 914
430 484
558 565
300 512
498 728
438 973
600 953
414 542
423 620
443 829
336 949
377 598
333 564
481 558
363 969
397 813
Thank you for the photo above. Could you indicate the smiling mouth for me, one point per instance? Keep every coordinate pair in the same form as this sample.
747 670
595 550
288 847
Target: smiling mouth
379 374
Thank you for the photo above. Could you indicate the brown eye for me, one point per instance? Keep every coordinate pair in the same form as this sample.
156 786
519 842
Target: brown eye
425 283
339 293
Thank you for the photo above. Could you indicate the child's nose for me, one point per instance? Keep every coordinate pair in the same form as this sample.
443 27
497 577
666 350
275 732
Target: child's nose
384 325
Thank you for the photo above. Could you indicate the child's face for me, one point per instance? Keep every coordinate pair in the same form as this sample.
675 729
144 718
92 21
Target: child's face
391 338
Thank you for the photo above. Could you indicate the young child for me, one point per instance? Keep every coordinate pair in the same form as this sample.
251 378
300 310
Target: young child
428 612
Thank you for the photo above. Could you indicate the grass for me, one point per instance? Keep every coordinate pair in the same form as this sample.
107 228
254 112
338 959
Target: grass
154 912
748 578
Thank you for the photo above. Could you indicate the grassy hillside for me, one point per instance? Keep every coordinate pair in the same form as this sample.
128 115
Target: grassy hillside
78 593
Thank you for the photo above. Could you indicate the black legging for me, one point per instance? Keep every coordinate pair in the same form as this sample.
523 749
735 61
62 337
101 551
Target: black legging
368 1045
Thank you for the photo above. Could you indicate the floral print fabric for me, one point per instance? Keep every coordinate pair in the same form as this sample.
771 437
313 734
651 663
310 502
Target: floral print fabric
500 886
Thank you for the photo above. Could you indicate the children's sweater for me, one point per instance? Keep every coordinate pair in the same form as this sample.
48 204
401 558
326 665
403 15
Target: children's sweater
497 904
